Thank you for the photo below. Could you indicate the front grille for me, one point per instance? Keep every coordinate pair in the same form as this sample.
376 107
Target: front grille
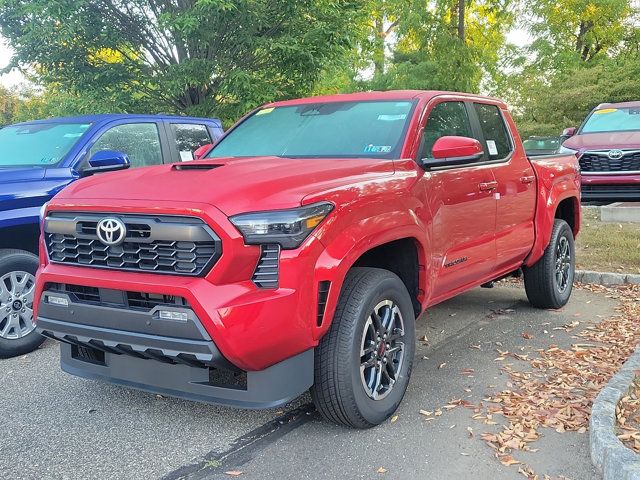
611 192
124 299
600 162
163 244
82 294
266 272
148 301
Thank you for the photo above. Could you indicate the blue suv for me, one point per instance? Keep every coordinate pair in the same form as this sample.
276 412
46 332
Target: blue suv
39 158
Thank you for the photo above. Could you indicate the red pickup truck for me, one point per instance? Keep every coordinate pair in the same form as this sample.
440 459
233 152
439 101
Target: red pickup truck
299 252
608 147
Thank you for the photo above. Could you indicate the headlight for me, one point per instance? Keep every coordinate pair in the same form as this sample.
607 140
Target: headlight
289 228
566 150
42 209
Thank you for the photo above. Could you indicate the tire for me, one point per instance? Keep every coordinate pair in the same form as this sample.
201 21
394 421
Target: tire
339 391
546 286
17 276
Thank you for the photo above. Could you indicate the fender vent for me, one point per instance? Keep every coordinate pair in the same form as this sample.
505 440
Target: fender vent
323 293
266 273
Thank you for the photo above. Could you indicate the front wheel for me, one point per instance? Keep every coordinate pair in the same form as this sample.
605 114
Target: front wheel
363 364
549 281
17 287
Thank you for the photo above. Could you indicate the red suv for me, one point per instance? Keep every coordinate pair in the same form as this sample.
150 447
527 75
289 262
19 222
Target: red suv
608 147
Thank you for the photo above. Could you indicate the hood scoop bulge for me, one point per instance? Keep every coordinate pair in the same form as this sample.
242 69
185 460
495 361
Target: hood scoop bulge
195 166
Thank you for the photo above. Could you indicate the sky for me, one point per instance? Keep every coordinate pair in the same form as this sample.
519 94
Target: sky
13 79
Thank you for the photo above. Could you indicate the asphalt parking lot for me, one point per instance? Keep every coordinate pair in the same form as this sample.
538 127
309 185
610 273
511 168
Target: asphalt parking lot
54 425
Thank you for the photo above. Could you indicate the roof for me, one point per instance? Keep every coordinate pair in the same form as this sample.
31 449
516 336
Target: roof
378 95
635 104
105 117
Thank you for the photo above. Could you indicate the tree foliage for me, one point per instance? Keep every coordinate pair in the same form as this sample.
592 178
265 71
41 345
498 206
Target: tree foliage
199 57
223 57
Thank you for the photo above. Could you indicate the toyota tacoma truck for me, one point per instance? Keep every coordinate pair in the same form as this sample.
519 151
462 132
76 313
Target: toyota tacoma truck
40 158
298 253
608 148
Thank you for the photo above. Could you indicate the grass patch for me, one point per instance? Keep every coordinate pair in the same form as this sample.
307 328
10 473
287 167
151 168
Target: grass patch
607 247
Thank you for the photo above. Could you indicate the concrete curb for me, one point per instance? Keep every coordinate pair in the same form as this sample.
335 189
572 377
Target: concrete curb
608 454
606 278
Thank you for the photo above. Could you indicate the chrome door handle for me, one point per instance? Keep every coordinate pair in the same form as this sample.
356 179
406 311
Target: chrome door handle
488 186
528 179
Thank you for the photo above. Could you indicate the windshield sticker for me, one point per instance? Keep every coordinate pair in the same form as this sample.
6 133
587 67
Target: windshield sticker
265 111
377 148
73 135
85 126
605 110
491 145
391 118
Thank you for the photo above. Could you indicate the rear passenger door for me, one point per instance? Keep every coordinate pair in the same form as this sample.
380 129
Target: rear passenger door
185 138
516 187
462 205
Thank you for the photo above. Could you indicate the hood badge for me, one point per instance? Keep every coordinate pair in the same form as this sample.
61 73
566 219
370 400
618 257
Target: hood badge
615 154
111 231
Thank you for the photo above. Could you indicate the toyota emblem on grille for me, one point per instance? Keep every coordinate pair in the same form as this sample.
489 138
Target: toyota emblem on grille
615 154
111 231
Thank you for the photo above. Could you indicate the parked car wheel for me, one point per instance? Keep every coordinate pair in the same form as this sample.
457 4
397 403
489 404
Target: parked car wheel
549 282
363 363
17 285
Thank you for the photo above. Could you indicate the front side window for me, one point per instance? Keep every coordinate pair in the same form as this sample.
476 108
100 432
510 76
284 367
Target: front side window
38 144
189 137
613 120
445 119
496 136
140 141
334 129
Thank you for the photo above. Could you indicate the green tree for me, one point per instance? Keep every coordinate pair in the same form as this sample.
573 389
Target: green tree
199 57
573 31
9 106
566 98
449 44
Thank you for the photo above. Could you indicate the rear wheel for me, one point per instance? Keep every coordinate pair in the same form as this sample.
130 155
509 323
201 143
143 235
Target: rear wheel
17 288
549 281
363 364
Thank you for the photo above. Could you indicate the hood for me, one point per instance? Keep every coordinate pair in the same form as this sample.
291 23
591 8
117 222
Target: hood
31 187
604 141
11 174
233 185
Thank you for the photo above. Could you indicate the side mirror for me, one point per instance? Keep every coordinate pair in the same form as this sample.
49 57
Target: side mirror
106 161
200 152
451 151
569 132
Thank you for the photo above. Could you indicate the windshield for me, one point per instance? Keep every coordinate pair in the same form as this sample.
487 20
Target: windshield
613 120
38 144
336 129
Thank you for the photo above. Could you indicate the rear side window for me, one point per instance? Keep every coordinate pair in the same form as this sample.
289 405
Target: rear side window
496 136
140 141
189 137
446 119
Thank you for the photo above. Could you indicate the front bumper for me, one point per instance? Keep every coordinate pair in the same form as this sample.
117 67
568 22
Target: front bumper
610 187
135 348
269 388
